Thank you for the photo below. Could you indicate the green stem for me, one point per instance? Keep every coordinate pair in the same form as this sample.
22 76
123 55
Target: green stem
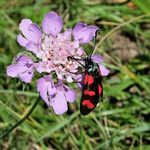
118 27
7 131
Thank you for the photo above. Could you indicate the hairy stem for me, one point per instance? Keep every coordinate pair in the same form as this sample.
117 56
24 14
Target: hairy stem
10 129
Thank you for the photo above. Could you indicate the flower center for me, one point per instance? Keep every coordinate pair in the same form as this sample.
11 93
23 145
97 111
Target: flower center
55 51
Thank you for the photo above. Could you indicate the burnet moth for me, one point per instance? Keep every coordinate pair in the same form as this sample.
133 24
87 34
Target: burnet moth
92 88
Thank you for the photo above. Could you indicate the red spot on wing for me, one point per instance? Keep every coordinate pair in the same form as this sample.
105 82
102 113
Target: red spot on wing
90 93
88 104
99 89
90 80
86 79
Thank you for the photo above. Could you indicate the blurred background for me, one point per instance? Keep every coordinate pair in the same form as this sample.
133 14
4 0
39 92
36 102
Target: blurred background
122 120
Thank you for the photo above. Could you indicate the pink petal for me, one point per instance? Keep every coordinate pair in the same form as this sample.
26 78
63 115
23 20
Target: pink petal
70 95
40 67
21 40
59 103
23 68
79 26
75 44
36 30
50 85
84 33
24 25
14 69
104 70
97 58
79 78
80 51
32 47
52 23
30 31
42 89
26 76
23 60
67 34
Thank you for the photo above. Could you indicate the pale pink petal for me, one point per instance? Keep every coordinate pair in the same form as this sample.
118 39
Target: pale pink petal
24 60
50 85
40 67
84 33
51 89
104 70
80 51
52 23
14 69
42 89
24 28
21 40
59 103
35 29
26 76
23 68
79 78
31 31
69 78
97 58
59 75
67 34
32 47
70 95
79 26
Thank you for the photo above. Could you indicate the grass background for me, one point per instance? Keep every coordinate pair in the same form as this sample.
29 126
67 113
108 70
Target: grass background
122 120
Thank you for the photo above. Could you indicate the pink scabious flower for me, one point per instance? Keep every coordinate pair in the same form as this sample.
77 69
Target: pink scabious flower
52 49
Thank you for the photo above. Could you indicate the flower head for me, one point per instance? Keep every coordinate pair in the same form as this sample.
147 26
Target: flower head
52 48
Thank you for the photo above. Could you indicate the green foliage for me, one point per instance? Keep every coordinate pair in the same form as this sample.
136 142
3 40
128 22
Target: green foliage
143 5
122 120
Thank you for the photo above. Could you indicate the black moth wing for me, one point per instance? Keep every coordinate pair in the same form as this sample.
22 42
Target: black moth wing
89 102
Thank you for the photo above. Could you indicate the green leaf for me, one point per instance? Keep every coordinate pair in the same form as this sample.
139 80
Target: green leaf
144 5
120 87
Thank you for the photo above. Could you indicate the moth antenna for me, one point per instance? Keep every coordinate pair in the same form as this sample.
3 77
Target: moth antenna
76 59
77 72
